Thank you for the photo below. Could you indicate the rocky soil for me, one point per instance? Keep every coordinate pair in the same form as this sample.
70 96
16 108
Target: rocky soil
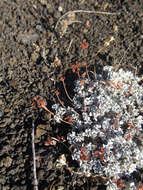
37 47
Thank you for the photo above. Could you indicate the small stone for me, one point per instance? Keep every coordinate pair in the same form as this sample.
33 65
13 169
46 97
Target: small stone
60 9
1 102
8 161
1 114
2 180
43 2
60 187
40 131
61 161
28 38
45 69
34 56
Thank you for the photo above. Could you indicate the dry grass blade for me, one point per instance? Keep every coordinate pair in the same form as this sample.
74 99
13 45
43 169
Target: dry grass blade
84 11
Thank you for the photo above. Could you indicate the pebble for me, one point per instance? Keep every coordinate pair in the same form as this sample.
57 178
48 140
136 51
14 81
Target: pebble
40 132
60 9
1 114
8 161
2 180
27 38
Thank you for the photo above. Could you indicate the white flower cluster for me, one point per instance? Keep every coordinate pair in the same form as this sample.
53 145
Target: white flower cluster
107 119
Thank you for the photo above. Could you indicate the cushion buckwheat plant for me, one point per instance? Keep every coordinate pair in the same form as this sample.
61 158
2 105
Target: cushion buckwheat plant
107 121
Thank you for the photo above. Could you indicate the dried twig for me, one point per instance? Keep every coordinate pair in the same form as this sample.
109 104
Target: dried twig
62 79
34 158
69 46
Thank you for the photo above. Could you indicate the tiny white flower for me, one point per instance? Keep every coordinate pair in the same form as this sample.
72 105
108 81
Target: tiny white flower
106 106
